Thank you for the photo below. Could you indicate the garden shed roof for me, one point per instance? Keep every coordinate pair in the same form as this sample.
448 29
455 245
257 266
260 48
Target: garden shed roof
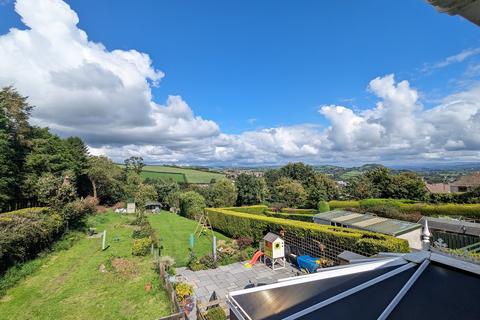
367 222
410 286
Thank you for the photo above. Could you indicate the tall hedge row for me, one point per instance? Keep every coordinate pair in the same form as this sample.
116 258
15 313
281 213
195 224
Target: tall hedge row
238 224
409 207
257 209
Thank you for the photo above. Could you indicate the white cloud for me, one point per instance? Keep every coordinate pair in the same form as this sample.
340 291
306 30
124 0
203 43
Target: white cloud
456 58
81 88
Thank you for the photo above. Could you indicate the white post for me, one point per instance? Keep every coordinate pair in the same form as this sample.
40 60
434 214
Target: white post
214 248
104 240
426 237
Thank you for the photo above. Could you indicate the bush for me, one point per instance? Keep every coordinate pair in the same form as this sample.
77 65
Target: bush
141 247
191 204
208 261
216 313
236 224
244 242
183 290
74 212
323 206
24 233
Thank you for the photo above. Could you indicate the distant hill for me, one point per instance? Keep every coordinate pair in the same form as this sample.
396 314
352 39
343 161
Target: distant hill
345 173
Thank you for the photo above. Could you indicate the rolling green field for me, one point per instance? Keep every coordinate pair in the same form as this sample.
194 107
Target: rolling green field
174 231
177 174
180 175
69 284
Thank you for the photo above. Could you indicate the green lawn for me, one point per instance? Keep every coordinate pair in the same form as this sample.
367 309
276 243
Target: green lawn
70 286
192 176
175 231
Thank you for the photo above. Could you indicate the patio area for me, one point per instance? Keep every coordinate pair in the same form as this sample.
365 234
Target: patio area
230 278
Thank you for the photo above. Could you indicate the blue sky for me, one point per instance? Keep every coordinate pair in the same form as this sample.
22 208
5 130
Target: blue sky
250 65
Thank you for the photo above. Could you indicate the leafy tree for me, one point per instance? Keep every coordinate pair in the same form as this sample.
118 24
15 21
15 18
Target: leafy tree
163 188
320 187
134 163
173 199
191 204
361 187
105 178
132 184
142 195
46 188
290 192
15 134
379 178
250 189
222 194
406 185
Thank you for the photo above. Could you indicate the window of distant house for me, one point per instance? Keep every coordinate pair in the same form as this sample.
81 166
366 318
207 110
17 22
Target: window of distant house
462 189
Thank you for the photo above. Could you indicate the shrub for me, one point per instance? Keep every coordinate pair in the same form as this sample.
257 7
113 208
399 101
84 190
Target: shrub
208 261
74 212
183 290
141 247
323 206
244 242
215 313
191 204
236 224
145 231
23 234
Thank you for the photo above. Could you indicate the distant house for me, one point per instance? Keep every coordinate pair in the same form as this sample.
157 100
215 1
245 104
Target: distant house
438 187
466 183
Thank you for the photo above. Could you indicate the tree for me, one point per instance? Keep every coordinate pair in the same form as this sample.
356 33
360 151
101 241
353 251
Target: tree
15 132
222 194
134 163
361 187
46 188
250 189
105 178
379 178
320 187
406 185
191 204
143 194
163 188
290 192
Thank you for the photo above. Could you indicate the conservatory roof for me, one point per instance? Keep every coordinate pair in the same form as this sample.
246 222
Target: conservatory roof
368 222
417 285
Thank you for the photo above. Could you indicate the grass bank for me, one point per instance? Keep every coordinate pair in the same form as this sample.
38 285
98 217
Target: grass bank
70 285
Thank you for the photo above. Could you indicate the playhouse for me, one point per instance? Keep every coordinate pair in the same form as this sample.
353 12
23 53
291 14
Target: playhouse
274 251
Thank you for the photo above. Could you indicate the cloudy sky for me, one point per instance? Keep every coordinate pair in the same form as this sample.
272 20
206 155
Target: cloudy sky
248 83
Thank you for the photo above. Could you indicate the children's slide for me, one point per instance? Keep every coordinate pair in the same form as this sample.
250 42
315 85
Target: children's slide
254 260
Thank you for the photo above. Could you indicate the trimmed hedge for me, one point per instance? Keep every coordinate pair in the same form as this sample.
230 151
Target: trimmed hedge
237 224
411 207
258 209
295 216
298 211
343 204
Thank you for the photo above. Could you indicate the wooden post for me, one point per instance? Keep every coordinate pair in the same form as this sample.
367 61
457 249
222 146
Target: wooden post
104 240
